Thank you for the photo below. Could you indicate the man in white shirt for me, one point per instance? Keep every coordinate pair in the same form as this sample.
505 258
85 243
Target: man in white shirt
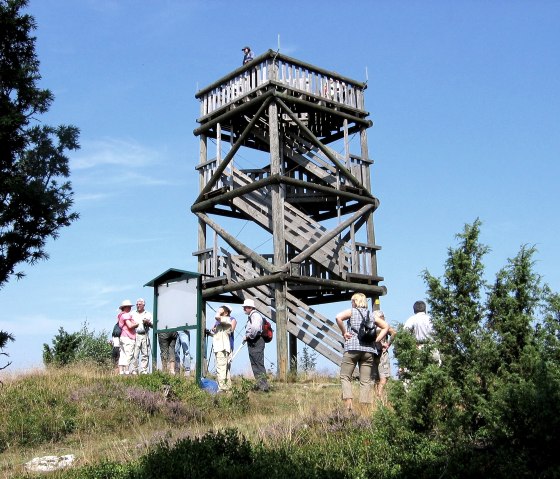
141 357
421 326
420 323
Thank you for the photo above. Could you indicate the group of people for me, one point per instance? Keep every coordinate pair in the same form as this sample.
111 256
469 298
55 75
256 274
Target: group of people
372 359
131 349
223 344
131 345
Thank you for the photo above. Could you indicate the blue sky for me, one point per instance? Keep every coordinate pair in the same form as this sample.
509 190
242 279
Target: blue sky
464 96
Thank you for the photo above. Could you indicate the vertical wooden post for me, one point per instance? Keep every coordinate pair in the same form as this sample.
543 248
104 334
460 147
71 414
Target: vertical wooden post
277 197
369 225
201 259
293 354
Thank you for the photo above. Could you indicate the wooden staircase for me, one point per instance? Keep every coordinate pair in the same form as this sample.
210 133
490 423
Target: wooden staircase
305 323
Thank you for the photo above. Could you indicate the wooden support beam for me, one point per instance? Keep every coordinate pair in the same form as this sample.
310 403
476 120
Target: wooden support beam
329 190
313 139
243 285
356 287
324 109
236 193
222 165
279 242
233 113
238 245
307 252
337 136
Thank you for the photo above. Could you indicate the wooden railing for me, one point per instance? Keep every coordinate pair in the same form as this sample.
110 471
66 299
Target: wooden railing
362 259
281 69
214 263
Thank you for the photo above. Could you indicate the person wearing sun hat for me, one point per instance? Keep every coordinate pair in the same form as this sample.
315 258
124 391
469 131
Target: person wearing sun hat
128 336
255 344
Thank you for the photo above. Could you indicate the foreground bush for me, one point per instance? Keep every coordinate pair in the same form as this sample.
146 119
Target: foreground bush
494 404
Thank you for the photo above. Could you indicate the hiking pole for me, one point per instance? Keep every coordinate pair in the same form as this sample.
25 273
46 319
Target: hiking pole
238 349
150 365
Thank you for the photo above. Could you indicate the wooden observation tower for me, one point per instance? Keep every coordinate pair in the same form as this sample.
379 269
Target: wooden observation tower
306 198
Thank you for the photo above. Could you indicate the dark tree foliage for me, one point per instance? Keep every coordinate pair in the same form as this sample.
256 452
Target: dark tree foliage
35 197
495 400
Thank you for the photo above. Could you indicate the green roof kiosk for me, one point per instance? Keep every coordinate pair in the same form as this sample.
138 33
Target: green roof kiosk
177 307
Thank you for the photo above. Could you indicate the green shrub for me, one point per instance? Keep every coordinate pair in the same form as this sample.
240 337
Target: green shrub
63 351
84 346
94 347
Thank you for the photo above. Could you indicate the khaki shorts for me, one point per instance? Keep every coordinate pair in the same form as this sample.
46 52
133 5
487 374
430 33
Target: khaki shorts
383 370
126 351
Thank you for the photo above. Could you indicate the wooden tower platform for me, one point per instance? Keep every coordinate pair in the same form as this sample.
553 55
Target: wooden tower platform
308 202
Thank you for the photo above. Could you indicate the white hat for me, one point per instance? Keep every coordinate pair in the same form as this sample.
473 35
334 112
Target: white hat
249 303
126 302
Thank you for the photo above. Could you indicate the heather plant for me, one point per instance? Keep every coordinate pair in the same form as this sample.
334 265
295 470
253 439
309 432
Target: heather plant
237 400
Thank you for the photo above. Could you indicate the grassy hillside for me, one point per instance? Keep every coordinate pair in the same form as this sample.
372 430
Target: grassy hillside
98 417
160 426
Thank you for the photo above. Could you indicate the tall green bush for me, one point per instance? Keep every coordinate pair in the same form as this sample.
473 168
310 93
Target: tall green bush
495 398
94 347
64 348
84 346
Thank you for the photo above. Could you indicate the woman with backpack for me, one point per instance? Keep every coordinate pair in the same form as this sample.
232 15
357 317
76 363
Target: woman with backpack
358 348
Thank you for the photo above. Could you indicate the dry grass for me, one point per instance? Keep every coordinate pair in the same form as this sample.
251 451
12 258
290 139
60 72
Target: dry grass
283 415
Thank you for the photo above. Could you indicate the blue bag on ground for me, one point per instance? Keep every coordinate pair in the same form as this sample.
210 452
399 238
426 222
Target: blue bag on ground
209 385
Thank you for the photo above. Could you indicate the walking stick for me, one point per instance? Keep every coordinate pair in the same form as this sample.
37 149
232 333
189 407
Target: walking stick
238 349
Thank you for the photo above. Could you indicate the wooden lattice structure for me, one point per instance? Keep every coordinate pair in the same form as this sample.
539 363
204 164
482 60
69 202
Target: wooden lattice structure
315 203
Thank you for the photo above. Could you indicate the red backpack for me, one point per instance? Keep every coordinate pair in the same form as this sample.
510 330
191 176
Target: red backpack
266 332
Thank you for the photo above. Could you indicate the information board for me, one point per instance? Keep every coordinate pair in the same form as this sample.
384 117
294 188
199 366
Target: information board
177 304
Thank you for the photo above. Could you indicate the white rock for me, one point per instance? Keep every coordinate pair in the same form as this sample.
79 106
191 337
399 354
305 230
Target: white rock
49 463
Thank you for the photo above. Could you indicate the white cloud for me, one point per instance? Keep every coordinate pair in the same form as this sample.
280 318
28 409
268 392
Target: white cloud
92 197
113 161
114 152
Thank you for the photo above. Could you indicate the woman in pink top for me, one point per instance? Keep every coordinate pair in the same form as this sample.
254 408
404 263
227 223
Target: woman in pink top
128 336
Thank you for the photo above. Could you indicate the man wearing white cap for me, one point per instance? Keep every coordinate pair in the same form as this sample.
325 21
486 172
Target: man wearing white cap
255 343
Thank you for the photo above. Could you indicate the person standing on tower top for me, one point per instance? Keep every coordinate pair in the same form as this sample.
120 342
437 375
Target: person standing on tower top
247 55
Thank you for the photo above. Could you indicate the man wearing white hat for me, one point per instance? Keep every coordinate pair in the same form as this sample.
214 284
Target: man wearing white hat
255 343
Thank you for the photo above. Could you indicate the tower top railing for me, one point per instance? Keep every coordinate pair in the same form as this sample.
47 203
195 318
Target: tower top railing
274 68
